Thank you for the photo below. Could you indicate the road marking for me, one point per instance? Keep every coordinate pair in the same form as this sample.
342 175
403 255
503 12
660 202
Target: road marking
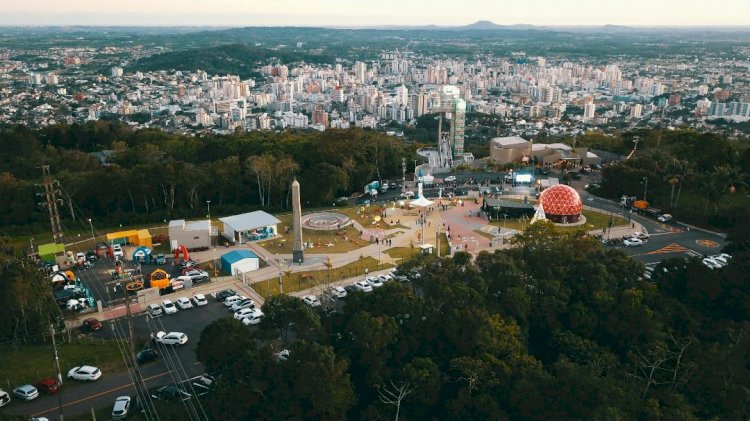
672 248
114 389
707 243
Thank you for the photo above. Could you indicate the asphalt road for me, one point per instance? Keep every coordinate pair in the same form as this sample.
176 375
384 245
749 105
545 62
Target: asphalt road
174 364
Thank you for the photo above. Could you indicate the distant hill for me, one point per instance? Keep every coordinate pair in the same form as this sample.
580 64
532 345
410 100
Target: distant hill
484 24
238 59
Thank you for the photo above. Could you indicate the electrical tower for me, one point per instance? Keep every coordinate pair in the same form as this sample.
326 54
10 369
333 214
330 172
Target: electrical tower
51 199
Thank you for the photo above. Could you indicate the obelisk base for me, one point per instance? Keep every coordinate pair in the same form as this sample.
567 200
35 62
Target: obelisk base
298 256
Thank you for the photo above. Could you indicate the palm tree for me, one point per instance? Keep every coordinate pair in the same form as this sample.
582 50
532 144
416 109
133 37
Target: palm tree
685 169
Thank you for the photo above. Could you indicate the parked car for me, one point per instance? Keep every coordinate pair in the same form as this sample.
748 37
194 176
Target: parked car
311 300
199 300
188 264
171 338
246 303
48 385
633 242
640 235
146 356
91 324
407 194
385 278
26 392
4 398
85 372
101 248
338 292
254 318
160 259
171 393
229 301
664 218
374 282
154 310
91 256
712 264
183 303
363 286
121 408
117 251
282 355
719 258
168 307
224 294
450 179
243 312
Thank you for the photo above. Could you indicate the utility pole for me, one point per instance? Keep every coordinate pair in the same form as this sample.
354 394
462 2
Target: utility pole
50 201
57 368
437 236
134 283
645 187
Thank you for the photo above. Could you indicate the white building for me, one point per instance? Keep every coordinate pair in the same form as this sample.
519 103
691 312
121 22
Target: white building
117 72
589 111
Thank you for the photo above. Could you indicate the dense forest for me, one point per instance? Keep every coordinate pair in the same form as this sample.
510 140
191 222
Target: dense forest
701 178
151 175
555 328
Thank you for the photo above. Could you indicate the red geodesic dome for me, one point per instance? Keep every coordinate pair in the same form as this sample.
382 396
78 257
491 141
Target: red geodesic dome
561 200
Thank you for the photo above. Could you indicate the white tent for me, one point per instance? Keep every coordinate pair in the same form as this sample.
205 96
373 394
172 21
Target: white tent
420 200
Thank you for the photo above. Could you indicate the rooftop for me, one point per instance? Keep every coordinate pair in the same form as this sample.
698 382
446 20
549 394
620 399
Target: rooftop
250 220
510 141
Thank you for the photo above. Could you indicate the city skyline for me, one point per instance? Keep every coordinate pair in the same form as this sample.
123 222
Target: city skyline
341 13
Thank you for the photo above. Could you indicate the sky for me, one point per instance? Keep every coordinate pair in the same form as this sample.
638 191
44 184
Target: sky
372 12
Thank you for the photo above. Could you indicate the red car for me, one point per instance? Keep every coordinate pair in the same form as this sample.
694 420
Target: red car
49 386
91 325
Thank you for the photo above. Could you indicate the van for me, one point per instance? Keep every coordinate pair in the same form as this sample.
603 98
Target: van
4 398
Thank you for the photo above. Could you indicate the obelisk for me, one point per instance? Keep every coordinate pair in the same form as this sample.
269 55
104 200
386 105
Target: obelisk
298 254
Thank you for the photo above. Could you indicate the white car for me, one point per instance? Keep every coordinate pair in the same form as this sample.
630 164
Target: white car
664 218
171 338
374 282
450 179
168 307
243 312
246 303
121 408
117 251
311 300
200 300
4 398
712 264
641 235
154 310
363 286
254 318
230 301
633 242
719 258
385 278
338 292
85 372
184 303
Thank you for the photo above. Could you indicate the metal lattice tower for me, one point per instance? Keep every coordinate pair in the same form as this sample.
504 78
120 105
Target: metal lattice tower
51 199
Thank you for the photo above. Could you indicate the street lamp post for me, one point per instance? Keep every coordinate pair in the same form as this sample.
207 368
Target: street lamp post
645 187
31 243
92 230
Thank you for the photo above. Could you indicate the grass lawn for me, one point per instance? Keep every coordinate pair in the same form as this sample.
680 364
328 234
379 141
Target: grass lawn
409 252
30 363
303 280
342 241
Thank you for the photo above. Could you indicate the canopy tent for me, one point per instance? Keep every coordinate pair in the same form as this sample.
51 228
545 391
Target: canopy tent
135 237
420 200
244 266
47 252
142 255
231 260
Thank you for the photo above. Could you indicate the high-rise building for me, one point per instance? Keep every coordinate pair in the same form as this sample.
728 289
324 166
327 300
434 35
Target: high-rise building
589 111
636 110
360 72
320 116
402 95
117 72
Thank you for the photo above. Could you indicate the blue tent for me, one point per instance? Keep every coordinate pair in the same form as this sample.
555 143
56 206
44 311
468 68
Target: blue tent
233 257
142 255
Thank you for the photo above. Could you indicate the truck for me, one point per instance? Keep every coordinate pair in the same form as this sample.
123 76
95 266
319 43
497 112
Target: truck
373 185
640 206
